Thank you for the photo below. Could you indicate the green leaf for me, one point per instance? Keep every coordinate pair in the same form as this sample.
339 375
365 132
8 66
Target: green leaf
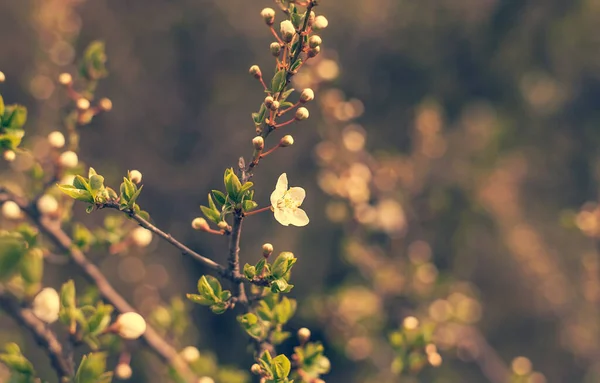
296 65
249 205
283 264
12 250
219 197
219 308
96 182
284 97
81 183
233 186
32 266
67 295
92 368
199 299
11 138
100 320
17 363
205 288
279 81
211 214
281 286
14 116
1 107
93 66
249 271
75 193
135 196
285 310
281 366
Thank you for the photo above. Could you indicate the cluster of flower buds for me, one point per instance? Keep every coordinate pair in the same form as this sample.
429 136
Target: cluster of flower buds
85 111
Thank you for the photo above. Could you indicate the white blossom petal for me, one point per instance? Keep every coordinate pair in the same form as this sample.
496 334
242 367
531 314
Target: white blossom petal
280 189
298 194
282 216
299 218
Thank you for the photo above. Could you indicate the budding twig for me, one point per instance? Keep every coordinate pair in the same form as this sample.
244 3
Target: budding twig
268 208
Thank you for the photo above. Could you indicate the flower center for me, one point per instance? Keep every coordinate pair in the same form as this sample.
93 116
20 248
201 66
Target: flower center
287 202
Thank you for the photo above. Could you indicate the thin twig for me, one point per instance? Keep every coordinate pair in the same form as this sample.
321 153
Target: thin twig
234 258
41 333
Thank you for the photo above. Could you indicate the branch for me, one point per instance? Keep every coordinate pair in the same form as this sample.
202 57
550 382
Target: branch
234 259
52 230
42 335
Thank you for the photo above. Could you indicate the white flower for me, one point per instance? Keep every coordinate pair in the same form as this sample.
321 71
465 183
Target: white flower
46 305
123 371
130 325
321 22
47 204
286 203
10 210
56 139
190 354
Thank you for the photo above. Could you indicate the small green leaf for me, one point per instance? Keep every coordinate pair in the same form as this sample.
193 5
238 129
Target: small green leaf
279 81
1 107
67 295
200 299
96 182
211 214
249 271
281 366
249 205
284 97
75 193
12 250
219 197
283 263
32 266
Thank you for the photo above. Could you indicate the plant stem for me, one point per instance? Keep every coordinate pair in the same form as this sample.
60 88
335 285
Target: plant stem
257 211
42 335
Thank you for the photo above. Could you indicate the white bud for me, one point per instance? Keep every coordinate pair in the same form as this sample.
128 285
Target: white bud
267 249
258 142
135 176
10 210
190 354
47 204
275 49
141 237
275 105
68 159
56 140
105 104
307 95
269 101
287 30
255 71
123 371
83 104
302 114
223 225
286 141
410 323
321 22
46 305
256 369
268 14
130 325
206 379
9 155
65 79
314 41
303 335
200 224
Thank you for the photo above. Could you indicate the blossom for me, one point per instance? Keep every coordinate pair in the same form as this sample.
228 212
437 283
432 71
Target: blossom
46 305
286 203
56 139
130 325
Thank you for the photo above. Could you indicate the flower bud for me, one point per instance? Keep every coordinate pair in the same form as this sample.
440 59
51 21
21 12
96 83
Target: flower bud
287 31
200 224
321 22
267 249
275 105
434 359
190 354
269 101
9 156
314 41
83 104
56 140
255 369
130 325
46 305
47 204
123 371
206 379
303 335
410 323
275 49
255 71
223 225
286 141
135 176
2 77
105 104
268 14
313 52
258 142
141 237
65 79
10 210
307 95
302 114
68 159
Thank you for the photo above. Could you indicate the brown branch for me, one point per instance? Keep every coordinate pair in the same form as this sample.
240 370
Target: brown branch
40 332
234 258
52 230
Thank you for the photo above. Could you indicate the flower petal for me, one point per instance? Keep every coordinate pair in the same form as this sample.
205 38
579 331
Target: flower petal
299 218
298 194
280 189
283 216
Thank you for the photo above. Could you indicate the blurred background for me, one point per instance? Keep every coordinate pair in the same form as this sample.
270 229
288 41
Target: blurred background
450 162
